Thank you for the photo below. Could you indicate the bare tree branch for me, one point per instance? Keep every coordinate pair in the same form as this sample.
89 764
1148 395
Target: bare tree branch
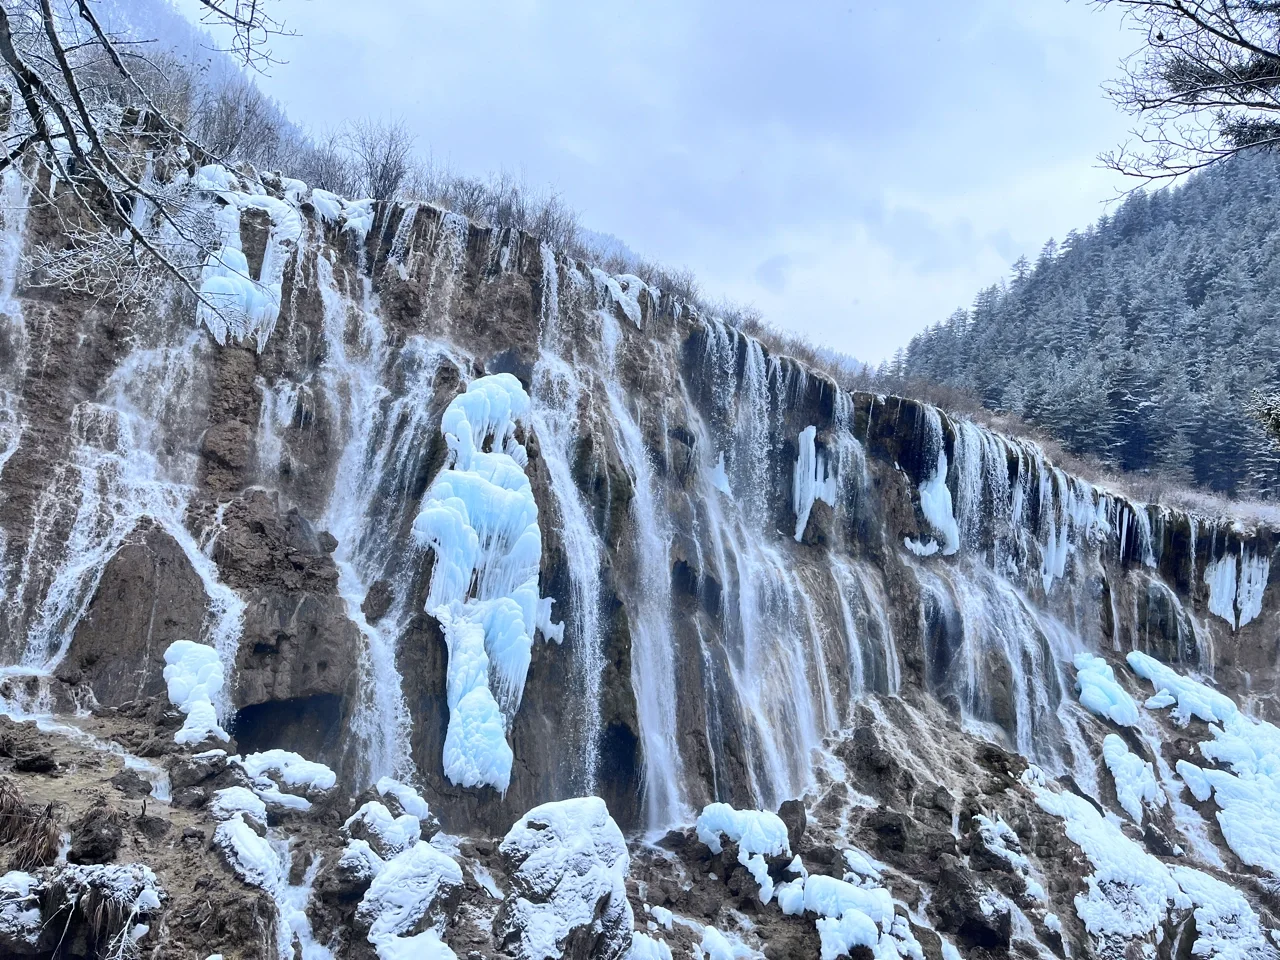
63 71
1205 85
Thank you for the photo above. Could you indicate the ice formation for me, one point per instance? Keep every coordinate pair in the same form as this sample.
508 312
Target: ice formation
758 834
720 479
1135 778
1237 584
849 914
292 770
645 947
193 673
1247 794
1130 892
409 799
249 854
422 946
718 946
935 504
1189 698
999 838
811 480
1255 570
569 866
1101 693
1226 926
233 800
264 862
1220 577
235 305
480 519
624 290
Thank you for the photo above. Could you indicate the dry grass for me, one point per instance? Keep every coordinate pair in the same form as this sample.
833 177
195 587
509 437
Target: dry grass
31 832
38 840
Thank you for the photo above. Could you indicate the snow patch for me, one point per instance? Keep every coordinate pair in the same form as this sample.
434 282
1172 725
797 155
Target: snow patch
758 834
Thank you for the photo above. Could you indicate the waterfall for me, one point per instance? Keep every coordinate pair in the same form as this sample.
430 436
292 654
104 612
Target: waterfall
719 541
352 381
118 475
559 400
652 654
14 191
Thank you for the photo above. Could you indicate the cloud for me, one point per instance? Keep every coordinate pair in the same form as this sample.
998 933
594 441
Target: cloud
856 170
772 273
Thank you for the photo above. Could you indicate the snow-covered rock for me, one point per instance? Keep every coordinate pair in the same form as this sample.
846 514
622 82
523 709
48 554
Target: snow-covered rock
20 924
567 862
759 834
409 893
387 835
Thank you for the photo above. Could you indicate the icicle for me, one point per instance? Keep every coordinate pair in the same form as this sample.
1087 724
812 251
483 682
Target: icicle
810 481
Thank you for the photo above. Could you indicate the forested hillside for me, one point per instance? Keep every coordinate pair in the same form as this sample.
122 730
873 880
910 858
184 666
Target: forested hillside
1141 339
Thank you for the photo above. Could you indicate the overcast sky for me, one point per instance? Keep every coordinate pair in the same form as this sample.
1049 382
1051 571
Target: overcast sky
855 170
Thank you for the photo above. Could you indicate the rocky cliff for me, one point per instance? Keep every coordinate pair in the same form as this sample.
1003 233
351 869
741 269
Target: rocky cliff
770 589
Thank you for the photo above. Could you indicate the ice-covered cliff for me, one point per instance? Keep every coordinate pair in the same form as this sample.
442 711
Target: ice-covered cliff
456 510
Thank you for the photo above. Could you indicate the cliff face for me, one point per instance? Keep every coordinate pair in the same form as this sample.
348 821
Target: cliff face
754 568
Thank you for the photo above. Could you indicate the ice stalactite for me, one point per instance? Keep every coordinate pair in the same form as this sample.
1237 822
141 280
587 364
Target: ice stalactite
935 495
1220 577
811 480
480 519
1237 583
1255 570
234 304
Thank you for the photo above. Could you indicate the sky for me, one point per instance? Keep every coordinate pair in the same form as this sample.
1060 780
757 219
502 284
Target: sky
854 170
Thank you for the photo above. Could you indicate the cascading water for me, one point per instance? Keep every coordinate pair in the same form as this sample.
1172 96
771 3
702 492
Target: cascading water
14 190
351 379
653 656
119 475
560 399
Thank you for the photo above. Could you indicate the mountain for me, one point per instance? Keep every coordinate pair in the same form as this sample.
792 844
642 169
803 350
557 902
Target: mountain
1141 339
